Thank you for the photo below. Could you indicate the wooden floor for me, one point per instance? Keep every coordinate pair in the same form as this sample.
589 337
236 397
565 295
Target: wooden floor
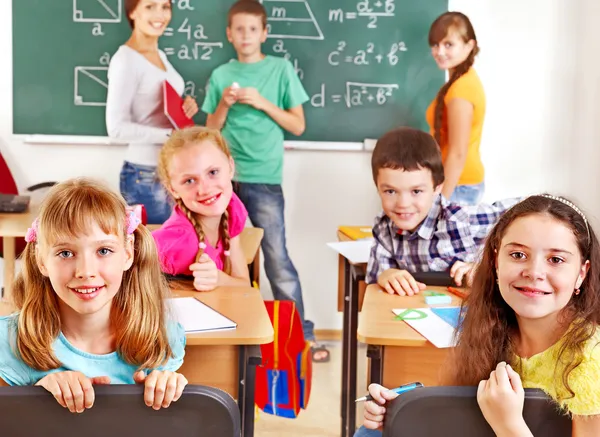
322 417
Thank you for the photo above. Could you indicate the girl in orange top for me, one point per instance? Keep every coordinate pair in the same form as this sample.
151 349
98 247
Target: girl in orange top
456 115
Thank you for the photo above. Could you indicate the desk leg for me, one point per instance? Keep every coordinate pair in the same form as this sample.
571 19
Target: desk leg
353 349
9 251
375 354
352 279
345 346
249 358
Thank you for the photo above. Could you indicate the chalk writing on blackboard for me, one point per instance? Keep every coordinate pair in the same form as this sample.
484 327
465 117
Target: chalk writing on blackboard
97 11
370 9
292 19
366 55
356 94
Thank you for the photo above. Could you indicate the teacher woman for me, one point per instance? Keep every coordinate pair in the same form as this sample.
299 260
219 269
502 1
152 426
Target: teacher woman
134 107
456 115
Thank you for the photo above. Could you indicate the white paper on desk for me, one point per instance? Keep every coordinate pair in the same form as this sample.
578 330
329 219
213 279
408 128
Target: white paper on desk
357 252
432 327
198 317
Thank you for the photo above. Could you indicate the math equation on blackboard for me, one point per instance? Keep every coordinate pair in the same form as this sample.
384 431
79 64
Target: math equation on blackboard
191 39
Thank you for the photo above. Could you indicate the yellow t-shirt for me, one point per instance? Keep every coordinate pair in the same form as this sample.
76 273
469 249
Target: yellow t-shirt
538 371
468 87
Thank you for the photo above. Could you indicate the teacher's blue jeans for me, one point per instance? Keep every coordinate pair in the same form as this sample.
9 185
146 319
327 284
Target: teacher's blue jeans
468 194
265 205
364 432
139 185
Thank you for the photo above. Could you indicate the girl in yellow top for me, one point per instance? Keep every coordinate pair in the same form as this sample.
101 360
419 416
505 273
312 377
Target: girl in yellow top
535 304
456 115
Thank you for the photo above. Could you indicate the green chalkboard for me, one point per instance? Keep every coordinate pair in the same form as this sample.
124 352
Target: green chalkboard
366 64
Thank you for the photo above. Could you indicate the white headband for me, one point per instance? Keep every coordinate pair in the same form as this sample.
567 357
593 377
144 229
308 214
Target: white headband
572 206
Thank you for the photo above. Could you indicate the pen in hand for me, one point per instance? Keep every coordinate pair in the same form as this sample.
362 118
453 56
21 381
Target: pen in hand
397 390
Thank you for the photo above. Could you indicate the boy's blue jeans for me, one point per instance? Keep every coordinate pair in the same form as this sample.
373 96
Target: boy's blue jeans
265 205
139 184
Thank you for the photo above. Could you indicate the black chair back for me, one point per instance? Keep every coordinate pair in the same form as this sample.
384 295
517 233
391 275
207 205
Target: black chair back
454 412
119 411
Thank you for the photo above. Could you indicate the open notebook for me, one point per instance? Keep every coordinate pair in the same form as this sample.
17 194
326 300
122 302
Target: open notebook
198 317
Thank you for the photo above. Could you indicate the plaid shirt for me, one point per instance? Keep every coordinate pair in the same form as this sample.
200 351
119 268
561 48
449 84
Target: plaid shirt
449 233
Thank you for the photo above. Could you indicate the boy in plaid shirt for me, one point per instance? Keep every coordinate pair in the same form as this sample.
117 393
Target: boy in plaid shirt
419 230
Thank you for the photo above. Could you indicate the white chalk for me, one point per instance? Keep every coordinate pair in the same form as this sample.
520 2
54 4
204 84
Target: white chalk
235 85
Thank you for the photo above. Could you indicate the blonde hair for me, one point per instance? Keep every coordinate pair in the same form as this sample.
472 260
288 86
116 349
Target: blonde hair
179 140
138 313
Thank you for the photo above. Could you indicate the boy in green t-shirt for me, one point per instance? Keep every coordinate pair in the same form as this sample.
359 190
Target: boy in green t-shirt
253 100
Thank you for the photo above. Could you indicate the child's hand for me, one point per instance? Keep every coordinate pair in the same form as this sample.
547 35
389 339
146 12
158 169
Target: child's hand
462 271
251 96
400 282
501 400
206 274
375 410
72 390
161 387
190 107
230 95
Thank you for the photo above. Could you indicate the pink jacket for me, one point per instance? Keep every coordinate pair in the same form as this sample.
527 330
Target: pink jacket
177 241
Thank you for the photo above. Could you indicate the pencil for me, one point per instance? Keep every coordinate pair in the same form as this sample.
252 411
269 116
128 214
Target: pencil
457 292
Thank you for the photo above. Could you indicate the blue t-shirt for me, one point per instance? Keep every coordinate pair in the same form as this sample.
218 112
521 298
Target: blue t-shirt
15 372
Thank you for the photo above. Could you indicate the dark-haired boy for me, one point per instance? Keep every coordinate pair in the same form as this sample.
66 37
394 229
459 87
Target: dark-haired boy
419 230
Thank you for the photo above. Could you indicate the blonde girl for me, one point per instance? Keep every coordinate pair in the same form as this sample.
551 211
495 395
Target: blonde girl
201 238
90 302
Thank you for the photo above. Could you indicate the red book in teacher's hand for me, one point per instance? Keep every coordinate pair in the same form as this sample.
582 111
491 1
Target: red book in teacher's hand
173 107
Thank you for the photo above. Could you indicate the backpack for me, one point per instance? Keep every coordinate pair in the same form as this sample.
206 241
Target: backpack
283 380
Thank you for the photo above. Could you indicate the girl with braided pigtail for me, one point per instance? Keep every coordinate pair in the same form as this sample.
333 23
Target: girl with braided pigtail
201 238
457 113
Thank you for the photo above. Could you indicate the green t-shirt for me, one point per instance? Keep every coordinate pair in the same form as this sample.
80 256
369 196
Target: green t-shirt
255 140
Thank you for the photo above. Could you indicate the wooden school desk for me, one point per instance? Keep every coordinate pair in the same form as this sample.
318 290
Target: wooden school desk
398 354
351 288
13 226
225 359
228 359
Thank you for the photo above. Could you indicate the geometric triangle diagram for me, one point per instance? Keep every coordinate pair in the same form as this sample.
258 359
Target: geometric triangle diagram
450 315
97 11
91 86
291 19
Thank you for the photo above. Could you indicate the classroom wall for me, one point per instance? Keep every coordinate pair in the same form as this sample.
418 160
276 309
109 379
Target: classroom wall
583 144
538 113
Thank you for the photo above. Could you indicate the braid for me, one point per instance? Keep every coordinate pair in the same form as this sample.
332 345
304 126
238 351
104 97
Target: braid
226 239
199 231
440 105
